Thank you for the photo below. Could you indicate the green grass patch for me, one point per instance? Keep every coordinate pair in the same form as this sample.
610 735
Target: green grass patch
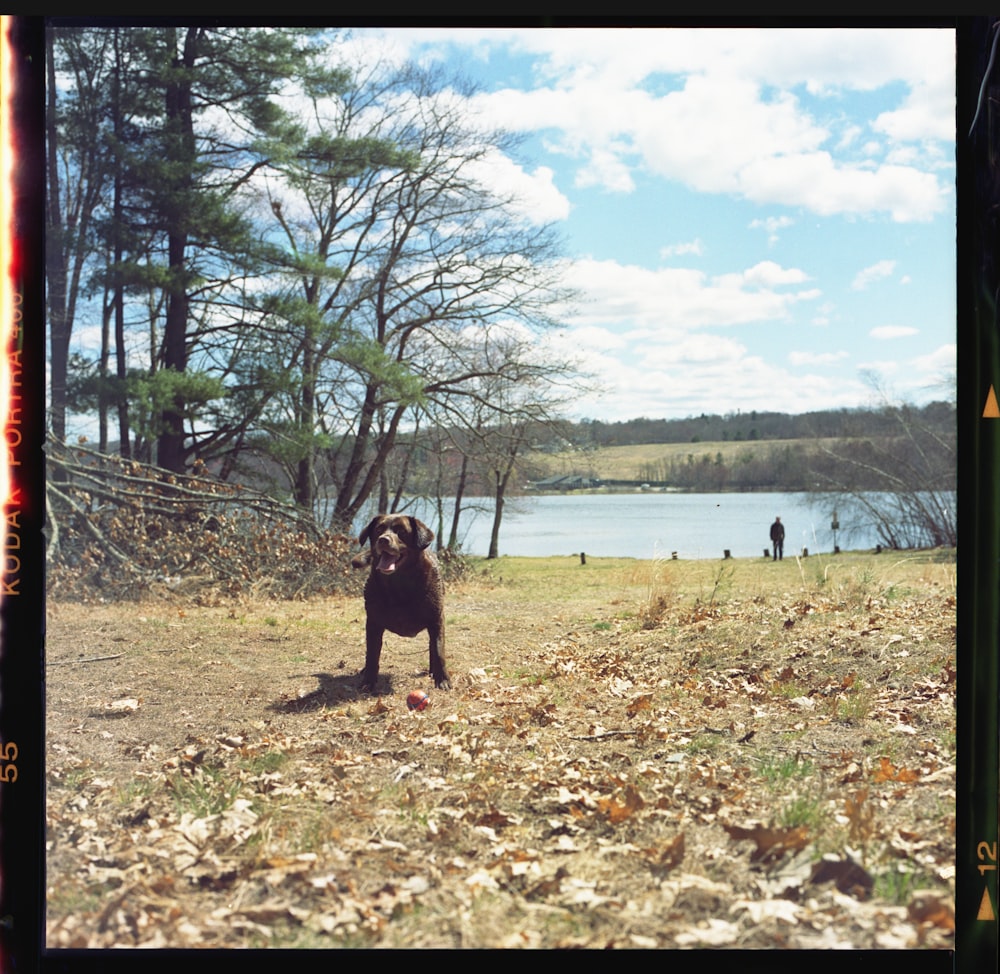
780 770
802 811
856 705
898 884
206 791
267 762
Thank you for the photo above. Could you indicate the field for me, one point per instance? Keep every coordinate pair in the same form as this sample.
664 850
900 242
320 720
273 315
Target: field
729 754
632 462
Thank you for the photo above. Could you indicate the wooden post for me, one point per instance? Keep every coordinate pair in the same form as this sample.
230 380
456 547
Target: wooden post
583 558
725 553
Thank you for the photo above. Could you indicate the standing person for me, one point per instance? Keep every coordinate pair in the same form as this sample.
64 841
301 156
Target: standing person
778 539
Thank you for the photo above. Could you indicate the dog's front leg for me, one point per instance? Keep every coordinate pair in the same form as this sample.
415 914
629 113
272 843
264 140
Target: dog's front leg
373 651
437 666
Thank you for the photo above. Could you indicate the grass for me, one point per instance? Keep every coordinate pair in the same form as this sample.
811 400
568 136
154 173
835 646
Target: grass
655 585
703 744
779 770
571 681
266 763
898 884
203 792
803 811
629 461
856 706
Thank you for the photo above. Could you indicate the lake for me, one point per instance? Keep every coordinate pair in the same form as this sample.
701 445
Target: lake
654 525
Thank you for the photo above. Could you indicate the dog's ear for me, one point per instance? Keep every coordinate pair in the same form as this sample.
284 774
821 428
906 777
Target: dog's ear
422 534
369 531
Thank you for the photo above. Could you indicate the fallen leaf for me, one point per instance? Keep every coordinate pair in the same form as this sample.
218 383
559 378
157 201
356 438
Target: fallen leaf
929 909
666 857
123 706
886 772
642 701
771 844
617 810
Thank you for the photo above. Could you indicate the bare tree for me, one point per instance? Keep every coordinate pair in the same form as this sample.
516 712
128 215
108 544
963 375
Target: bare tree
78 170
408 264
902 482
506 406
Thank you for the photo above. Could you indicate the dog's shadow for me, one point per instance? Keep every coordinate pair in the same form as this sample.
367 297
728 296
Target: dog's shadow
334 690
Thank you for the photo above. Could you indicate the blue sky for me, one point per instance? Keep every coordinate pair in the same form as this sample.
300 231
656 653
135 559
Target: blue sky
754 218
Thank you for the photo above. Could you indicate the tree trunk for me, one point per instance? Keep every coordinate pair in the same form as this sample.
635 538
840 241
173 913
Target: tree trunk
102 399
55 261
355 462
180 124
355 490
501 485
305 490
459 494
509 460
121 365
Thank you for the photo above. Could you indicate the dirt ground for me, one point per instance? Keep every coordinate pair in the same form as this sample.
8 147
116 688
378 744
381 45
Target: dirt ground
733 754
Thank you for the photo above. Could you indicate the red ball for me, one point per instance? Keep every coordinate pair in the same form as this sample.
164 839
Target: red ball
417 700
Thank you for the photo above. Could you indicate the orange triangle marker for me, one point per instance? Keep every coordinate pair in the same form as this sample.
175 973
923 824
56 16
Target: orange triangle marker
992 410
986 907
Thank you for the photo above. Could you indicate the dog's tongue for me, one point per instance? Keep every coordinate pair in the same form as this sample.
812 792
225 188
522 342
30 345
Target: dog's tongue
386 563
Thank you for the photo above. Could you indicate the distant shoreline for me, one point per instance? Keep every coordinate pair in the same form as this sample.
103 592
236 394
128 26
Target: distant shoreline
936 555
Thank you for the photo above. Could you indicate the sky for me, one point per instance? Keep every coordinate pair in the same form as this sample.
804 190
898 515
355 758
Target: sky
753 218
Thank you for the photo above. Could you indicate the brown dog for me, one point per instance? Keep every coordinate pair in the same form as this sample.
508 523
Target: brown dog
404 592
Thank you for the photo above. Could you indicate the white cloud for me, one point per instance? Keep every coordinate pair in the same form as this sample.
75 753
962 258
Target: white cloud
535 193
817 182
768 274
940 362
889 332
689 385
824 60
590 338
772 225
798 359
876 272
679 299
606 169
927 113
707 352
694 247
921 378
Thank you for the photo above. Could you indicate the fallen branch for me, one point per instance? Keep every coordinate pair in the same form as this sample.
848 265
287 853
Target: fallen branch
105 544
89 659
119 527
599 737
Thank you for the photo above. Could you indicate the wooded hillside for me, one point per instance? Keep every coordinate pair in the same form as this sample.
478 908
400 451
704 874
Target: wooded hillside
753 451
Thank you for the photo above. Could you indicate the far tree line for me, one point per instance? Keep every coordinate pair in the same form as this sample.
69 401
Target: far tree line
753 425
